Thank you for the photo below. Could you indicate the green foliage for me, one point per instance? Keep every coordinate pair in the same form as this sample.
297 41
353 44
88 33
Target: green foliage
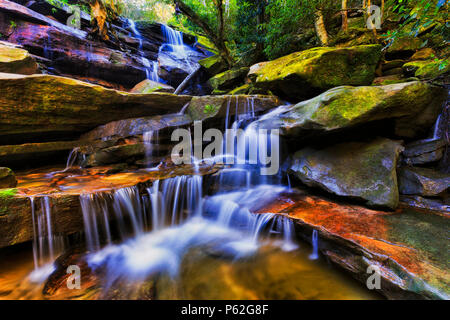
419 16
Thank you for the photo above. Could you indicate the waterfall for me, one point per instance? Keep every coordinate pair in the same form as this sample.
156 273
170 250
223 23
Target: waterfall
46 245
315 243
151 69
174 43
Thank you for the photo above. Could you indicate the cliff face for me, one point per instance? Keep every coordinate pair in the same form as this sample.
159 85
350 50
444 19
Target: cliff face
130 54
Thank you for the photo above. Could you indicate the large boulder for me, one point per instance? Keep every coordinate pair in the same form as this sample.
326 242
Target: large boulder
424 151
228 79
205 107
16 60
7 178
422 181
364 171
428 69
42 106
414 106
149 86
213 65
307 73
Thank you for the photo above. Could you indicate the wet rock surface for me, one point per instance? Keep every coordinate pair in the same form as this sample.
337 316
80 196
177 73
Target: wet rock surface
422 181
366 171
408 246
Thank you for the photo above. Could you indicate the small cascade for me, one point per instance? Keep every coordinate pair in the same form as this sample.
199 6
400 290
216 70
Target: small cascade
151 68
48 53
151 138
46 245
175 45
315 243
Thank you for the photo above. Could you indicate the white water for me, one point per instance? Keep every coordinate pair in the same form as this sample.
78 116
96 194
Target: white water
315 243
151 68
46 245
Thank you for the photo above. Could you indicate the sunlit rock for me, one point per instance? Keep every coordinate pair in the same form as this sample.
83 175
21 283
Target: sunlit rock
307 73
414 106
43 106
149 86
16 60
7 178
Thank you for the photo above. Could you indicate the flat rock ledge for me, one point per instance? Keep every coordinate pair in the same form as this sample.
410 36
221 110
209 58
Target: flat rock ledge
409 247
16 224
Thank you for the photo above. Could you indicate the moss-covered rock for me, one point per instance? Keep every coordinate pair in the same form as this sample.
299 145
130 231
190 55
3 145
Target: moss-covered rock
43 105
16 60
244 89
228 79
365 171
7 178
422 181
414 106
424 54
429 69
307 73
404 46
149 86
205 107
213 65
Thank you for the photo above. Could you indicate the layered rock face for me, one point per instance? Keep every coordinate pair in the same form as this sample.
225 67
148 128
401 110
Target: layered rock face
16 60
52 106
119 63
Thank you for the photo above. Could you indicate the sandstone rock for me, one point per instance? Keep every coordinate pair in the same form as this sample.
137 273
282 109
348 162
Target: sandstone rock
137 126
43 106
307 73
213 65
366 171
422 181
427 69
424 54
404 46
228 79
424 151
16 60
149 86
408 246
35 154
414 105
7 178
201 108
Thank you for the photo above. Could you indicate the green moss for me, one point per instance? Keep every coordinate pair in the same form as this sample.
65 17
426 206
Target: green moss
8 193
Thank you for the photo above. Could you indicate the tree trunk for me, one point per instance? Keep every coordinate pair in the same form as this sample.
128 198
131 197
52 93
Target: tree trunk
320 28
344 16
216 36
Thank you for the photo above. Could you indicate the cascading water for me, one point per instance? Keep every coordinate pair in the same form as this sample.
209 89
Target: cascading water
177 216
174 44
315 243
151 68
46 245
